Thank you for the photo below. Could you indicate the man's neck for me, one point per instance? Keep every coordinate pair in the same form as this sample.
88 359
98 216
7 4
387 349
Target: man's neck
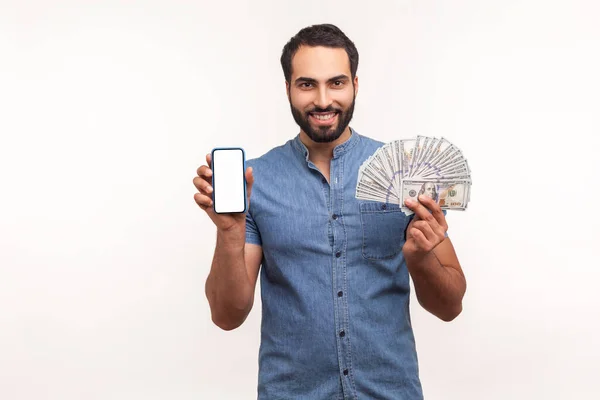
320 152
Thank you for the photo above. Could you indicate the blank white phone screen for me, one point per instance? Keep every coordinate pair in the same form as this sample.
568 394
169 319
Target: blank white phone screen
228 180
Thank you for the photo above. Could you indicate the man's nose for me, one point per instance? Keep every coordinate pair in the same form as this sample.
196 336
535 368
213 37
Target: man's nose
323 99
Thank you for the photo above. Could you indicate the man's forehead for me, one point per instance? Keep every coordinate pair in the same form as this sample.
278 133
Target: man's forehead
320 63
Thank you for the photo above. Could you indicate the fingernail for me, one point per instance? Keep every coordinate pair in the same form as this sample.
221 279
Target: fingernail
409 202
209 188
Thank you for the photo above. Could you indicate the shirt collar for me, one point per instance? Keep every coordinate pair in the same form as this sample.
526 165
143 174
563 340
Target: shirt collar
338 150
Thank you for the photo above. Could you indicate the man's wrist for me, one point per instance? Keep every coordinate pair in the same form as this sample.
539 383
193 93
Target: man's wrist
233 238
414 257
420 261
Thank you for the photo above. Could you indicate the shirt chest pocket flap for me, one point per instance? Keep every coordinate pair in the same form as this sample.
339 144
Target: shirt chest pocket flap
383 226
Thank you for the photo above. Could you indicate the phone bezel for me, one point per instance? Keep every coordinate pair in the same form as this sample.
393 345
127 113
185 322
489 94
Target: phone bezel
212 153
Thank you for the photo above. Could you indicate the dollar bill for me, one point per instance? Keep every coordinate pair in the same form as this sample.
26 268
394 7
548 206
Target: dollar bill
447 194
434 164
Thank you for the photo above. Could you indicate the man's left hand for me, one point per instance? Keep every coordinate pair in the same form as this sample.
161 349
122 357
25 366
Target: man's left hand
427 229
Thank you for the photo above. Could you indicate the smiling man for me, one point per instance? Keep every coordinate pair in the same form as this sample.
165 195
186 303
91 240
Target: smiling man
335 276
322 119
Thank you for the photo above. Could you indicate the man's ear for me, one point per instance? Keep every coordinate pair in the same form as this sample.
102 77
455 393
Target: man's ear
355 85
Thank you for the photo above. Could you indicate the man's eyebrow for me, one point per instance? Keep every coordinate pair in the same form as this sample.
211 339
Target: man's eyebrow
339 78
304 79
312 80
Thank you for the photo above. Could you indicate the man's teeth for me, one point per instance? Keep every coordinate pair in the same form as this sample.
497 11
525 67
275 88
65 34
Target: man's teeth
323 117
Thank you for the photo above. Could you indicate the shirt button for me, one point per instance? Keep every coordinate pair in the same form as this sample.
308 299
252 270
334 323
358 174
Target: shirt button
340 293
338 254
345 372
342 334
334 216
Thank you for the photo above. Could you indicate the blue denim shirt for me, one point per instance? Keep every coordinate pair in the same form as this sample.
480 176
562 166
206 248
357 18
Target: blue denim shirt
334 284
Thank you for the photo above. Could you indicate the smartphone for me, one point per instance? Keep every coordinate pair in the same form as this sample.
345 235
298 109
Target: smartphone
228 166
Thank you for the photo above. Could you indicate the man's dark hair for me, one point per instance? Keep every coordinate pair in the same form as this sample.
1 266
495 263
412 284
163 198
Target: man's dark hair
326 35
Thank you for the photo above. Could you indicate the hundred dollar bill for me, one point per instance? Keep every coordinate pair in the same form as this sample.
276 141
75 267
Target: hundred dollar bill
406 150
425 155
455 171
371 191
452 195
406 167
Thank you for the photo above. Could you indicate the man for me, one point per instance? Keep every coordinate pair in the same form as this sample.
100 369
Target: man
335 270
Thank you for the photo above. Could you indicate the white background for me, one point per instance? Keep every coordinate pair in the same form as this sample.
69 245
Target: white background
107 109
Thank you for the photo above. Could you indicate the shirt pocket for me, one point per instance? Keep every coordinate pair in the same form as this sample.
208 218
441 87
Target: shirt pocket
383 226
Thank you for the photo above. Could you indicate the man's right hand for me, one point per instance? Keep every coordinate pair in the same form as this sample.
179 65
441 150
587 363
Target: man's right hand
204 199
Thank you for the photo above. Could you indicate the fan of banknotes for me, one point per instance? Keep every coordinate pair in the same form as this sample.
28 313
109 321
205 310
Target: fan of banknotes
418 166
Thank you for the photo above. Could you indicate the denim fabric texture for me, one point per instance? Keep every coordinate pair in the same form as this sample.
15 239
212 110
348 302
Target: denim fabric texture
334 285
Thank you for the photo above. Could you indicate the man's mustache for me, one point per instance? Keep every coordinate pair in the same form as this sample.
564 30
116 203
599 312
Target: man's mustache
324 110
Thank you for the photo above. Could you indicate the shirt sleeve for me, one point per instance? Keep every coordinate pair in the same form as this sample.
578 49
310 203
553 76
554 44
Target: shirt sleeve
252 233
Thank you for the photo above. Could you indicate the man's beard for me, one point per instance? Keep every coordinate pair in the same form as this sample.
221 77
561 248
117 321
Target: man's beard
324 134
